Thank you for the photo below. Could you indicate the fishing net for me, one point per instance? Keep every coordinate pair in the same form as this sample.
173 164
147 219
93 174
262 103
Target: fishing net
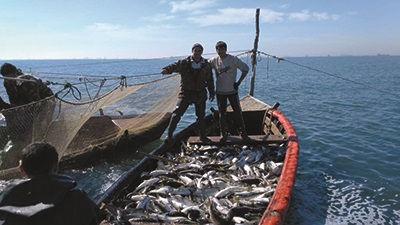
80 117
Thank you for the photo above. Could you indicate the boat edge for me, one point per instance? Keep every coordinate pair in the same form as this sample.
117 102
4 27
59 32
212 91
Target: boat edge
277 209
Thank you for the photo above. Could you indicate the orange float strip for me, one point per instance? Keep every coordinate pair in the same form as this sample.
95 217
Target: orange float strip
280 201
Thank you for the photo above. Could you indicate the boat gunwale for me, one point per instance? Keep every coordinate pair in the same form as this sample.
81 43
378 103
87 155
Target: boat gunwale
280 201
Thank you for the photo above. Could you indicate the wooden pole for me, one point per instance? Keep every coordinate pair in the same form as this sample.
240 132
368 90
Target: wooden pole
254 54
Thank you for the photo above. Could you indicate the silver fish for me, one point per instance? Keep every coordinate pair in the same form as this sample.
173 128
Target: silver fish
147 183
228 190
217 219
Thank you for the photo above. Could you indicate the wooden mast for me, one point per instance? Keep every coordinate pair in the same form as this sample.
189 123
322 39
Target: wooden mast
254 54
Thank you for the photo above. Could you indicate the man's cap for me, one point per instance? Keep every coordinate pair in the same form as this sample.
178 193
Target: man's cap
197 45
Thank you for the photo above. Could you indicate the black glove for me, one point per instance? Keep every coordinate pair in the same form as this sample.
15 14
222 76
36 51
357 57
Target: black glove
3 104
236 85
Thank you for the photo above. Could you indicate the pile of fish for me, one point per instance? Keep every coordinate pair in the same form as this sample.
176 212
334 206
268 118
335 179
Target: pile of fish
205 184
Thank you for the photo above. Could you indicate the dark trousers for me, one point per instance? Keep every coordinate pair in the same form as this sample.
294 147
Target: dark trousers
184 100
237 111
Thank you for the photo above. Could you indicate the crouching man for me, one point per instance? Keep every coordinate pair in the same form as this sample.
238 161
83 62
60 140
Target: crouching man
46 197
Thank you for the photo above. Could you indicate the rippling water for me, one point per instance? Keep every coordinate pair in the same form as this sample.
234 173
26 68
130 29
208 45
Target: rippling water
346 115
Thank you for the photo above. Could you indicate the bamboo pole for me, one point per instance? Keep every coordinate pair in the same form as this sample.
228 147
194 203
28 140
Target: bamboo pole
254 54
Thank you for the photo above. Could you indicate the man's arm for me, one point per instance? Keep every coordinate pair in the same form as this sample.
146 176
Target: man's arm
174 67
244 68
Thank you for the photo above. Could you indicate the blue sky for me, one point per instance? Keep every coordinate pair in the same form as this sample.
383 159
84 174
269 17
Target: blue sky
59 29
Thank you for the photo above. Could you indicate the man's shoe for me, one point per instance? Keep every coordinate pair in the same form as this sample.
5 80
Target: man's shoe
169 139
246 138
223 139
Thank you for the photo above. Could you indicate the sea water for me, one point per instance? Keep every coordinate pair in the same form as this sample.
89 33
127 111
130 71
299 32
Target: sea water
345 111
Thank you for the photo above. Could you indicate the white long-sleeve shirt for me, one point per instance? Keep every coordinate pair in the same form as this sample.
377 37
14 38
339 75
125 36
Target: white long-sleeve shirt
226 72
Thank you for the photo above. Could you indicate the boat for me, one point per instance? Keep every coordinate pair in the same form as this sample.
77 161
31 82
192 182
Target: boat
186 181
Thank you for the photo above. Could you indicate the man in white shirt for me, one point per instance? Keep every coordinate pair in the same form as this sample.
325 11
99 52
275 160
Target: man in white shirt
225 67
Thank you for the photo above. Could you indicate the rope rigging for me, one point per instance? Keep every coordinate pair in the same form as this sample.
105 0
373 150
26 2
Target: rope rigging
279 59
96 81
122 80
70 88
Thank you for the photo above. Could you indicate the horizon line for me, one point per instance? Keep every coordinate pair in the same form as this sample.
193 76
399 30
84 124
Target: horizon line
169 57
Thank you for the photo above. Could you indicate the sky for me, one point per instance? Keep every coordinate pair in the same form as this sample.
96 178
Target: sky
74 29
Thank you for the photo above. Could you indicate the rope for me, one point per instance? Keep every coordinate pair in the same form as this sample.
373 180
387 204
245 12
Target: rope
93 75
329 74
86 87
123 84
70 88
273 56
87 102
85 80
101 85
268 67
246 52
16 78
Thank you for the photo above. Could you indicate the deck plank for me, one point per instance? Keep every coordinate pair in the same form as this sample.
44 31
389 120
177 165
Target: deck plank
255 139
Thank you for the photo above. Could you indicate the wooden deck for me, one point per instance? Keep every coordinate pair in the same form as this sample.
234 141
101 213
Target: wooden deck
249 103
254 139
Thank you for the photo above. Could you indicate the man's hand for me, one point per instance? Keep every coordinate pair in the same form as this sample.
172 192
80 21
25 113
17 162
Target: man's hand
163 71
3 104
236 85
105 222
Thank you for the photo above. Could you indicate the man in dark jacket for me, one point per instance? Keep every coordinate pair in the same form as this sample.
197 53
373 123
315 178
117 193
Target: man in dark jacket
46 198
25 88
196 76
25 123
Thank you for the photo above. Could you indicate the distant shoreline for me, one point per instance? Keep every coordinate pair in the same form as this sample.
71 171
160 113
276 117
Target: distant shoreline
172 57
